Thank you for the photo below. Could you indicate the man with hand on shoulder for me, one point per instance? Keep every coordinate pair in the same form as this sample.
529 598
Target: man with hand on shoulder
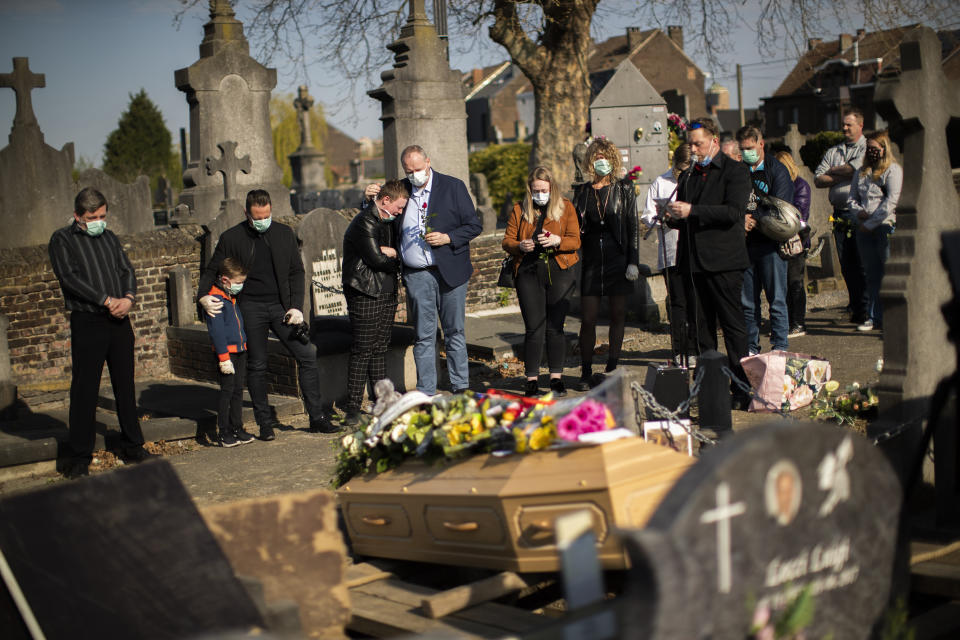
272 300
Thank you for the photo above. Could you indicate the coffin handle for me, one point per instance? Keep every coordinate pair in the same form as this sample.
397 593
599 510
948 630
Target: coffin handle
375 521
461 526
541 526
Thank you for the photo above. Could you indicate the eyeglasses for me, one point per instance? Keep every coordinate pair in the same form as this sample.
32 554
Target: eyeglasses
694 125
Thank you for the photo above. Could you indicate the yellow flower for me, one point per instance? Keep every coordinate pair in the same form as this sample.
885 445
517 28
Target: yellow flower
831 386
521 439
542 437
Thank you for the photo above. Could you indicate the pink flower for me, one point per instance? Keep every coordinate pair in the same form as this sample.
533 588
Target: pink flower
587 417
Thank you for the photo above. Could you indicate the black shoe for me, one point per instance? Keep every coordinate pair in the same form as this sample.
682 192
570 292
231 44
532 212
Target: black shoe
583 384
228 439
243 436
266 431
138 455
557 388
76 470
323 425
459 391
531 389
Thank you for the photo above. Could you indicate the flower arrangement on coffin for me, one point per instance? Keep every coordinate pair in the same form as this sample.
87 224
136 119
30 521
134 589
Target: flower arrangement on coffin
845 407
465 424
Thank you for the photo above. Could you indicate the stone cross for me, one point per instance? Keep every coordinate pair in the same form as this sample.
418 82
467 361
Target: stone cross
721 515
22 81
918 104
229 165
303 103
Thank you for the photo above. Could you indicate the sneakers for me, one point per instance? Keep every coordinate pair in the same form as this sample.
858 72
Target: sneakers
228 439
531 389
242 436
867 325
557 388
797 331
266 431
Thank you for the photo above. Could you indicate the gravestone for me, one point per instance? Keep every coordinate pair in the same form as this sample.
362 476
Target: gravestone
820 210
123 554
306 163
321 241
775 512
233 206
229 97
918 104
480 190
422 100
129 204
35 178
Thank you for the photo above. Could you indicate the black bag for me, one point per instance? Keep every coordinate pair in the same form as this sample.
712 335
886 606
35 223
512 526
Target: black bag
506 278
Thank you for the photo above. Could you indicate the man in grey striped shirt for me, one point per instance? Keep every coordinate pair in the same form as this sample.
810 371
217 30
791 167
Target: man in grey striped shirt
99 289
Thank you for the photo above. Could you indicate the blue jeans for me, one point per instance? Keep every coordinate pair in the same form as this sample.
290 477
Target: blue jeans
874 248
428 294
767 271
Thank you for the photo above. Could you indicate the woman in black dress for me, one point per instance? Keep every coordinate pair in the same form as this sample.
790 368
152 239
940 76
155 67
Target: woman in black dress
610 242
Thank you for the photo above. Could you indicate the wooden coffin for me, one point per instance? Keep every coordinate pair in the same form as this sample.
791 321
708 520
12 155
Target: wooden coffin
498 512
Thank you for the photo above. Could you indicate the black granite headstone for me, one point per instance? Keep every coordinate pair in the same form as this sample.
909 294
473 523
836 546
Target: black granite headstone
124 554
766 516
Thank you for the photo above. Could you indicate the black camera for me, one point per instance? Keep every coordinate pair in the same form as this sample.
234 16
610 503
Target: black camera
301 332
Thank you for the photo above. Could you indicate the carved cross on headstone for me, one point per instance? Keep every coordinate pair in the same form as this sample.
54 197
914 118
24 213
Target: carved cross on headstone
229 165
722 515
22 81
303 103
918 104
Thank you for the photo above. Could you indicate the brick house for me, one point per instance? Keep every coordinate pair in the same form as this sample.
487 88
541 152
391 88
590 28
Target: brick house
832 76
500 99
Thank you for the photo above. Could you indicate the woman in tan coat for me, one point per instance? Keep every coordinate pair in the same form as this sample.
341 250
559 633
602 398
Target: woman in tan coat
543 236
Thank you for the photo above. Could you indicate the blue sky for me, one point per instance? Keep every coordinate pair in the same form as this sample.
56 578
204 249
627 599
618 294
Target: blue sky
95 53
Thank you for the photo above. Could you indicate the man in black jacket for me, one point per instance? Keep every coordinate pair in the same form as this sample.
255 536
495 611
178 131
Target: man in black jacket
272 300
711 250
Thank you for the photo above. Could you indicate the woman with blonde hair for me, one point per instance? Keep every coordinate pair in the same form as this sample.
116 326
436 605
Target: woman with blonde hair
874 193
543 236
796 265
609 231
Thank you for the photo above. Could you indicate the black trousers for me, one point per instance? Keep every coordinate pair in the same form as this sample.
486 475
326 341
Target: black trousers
718 294
258 321
682 331
230 405
371 320
98 338
797 290
544 303
852 269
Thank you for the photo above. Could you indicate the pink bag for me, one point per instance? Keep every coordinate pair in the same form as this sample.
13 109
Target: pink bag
784 379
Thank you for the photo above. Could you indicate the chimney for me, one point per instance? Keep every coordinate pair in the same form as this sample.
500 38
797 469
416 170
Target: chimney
633 37
813 43
477 76
861 33
846 41
675 33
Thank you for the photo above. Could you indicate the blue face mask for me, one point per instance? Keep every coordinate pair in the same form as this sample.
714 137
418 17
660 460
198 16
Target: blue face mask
750 156
705 160
236 288
261 225
389 217
602 167
96 227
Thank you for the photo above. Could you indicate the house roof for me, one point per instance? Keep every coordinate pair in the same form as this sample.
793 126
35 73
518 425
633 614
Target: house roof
884 45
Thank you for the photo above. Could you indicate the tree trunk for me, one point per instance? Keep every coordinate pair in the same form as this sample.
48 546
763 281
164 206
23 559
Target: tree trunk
556 66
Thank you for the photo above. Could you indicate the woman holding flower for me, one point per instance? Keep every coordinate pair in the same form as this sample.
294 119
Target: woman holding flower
874 193
543 236
609 230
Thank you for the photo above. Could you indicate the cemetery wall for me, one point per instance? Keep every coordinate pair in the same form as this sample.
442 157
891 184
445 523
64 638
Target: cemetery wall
39 333
485 254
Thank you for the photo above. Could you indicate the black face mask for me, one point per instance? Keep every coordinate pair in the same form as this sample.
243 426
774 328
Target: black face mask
874 154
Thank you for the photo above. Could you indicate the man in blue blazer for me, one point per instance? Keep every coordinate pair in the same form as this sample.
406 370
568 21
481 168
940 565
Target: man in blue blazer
436 228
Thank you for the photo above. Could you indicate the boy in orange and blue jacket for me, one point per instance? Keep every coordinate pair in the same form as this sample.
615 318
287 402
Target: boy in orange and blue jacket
230 344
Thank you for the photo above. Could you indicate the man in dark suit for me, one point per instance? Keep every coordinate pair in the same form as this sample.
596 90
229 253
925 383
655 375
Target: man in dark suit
436 228
711 251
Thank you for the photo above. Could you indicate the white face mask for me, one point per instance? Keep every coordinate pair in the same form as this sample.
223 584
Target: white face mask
540 198
602 167
418 178
388 218
96 227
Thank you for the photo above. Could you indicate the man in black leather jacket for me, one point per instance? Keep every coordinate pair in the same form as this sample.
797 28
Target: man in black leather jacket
272 300
371 266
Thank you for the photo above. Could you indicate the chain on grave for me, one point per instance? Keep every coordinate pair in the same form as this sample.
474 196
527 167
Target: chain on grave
327 288
643 398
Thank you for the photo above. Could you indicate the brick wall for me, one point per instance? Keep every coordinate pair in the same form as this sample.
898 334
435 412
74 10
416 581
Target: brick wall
486 255
39 333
